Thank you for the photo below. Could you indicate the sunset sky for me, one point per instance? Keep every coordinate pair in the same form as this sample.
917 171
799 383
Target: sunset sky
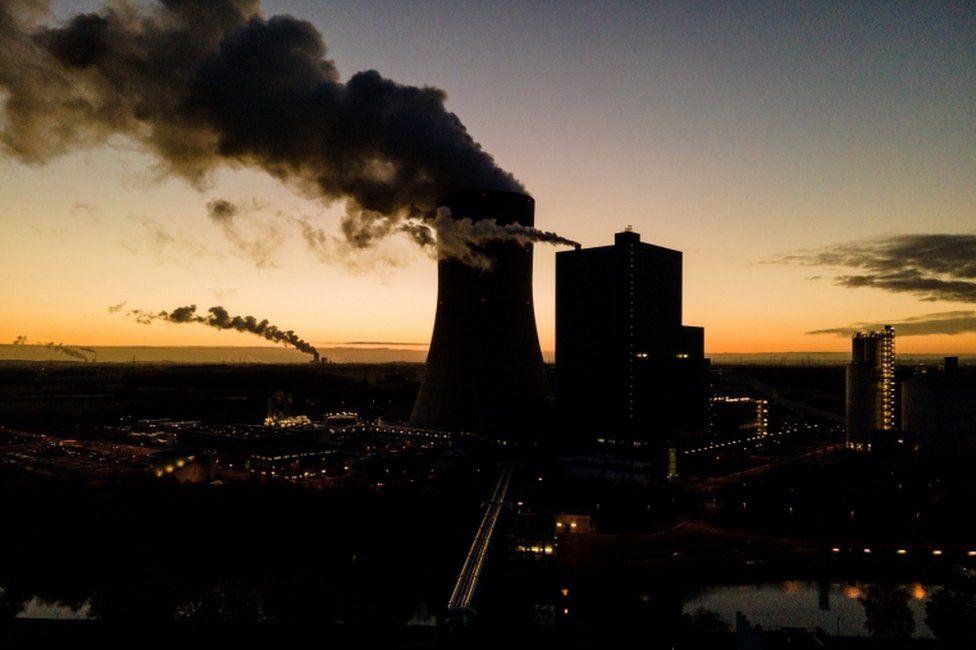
779 146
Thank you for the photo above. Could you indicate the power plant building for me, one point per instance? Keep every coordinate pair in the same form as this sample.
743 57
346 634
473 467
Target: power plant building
484 369
939 409
870 394
627 370
737 417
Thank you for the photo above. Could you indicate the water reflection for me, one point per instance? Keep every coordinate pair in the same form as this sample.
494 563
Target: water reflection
835 607
919 592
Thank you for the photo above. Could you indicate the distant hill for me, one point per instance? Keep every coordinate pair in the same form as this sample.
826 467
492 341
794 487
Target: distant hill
206 354
818 358
345 354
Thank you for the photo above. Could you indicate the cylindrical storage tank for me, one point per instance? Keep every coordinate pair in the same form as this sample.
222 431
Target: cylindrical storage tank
863 404
484 369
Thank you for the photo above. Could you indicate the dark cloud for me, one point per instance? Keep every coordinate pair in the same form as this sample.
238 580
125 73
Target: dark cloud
116 307
205 84
949 322
932 267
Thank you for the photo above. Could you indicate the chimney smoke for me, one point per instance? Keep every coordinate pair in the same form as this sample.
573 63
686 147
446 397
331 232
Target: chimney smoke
462 239
218 318
208 84
65 350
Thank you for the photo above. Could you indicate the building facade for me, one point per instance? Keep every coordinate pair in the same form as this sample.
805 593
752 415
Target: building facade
870 394
737 417
627 370
939 410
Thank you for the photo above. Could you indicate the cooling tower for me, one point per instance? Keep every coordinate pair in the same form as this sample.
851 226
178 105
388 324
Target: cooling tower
484 368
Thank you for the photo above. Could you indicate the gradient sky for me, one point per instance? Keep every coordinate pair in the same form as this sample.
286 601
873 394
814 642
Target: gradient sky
734 132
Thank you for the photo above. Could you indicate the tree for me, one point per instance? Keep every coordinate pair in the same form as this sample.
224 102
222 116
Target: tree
951 615
886 612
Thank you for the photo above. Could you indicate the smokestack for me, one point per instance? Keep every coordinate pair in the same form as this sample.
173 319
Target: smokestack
484 368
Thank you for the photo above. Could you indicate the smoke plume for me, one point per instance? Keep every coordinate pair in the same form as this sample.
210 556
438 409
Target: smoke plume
20 340
206 84
68 351
460 238
260 248
218 318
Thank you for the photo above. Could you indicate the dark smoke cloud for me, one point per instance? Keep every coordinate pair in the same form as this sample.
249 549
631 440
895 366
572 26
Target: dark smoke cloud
65 350
331 249
949 322
933 267
261 248
117 307
221 210
218 318
205 84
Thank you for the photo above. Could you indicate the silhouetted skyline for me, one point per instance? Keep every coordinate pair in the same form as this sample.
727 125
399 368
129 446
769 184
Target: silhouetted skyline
739 134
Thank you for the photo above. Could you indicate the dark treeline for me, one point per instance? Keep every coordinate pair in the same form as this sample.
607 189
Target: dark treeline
144 550
859 498
42 395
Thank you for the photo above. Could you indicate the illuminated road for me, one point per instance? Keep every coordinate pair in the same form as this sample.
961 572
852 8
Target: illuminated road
467 581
